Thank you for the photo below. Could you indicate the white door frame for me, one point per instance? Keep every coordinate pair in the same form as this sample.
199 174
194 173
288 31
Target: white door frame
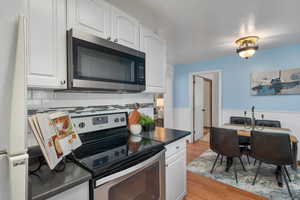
220 109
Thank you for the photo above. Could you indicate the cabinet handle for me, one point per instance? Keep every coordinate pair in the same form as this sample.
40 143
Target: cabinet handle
177 147
109 38
62 82
116 40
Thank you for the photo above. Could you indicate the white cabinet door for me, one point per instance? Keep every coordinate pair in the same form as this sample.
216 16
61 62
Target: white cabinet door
125 29
155 49
80 192
176 176
90 16
47 44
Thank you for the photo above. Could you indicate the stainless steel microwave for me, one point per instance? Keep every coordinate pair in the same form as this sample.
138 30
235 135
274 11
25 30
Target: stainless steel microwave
96 64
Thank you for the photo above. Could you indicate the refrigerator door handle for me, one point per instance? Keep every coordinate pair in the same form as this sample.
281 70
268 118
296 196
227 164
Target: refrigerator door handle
18 173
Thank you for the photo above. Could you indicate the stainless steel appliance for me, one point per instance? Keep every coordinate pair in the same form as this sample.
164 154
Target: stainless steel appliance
98 64
123 166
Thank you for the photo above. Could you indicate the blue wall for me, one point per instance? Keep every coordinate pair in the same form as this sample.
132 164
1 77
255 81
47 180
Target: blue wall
236 79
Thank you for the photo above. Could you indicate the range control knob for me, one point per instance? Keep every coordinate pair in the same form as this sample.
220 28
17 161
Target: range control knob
116 120
81 125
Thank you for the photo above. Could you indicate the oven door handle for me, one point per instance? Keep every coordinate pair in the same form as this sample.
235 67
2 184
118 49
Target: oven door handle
130 170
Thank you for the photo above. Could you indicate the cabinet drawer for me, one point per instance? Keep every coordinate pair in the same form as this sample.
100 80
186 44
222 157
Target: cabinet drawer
175 147
174 157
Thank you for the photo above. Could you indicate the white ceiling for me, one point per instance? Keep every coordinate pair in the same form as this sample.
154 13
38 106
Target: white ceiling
198 30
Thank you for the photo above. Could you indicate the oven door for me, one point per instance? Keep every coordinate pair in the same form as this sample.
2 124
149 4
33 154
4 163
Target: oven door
98 64
140 182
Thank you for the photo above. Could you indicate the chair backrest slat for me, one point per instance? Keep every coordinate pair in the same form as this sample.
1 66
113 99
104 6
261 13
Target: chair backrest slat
272 148
225 142
240 120
268 123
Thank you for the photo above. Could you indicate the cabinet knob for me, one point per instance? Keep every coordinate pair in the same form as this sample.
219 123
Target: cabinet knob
177 147
109 38
116 40
62 82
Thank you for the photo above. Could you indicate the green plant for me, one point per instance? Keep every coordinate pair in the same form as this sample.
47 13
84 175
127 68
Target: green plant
146 120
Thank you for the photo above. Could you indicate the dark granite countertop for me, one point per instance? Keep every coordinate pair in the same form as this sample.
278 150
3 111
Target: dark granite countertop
165 135
50 183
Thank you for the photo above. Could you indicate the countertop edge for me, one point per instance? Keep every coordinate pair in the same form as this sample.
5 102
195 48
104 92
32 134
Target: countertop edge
178 138
165 135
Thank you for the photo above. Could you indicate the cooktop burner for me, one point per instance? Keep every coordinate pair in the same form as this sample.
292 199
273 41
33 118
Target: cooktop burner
108 147
117 148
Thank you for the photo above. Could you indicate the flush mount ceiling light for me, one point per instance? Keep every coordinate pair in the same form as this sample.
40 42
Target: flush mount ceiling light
247 46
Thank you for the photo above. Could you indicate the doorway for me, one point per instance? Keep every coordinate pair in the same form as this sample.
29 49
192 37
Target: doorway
207 109
206 103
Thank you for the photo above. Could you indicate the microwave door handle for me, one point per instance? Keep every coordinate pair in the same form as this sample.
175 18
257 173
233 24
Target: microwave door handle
130 170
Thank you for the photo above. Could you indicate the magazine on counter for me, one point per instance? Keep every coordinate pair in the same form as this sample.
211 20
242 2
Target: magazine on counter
55 134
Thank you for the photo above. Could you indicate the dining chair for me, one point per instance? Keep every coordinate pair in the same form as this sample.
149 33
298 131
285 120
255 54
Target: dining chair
272 148
244 141
225 142
268 123
240 120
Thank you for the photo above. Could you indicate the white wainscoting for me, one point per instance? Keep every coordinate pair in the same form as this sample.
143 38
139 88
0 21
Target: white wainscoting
182 119
291 120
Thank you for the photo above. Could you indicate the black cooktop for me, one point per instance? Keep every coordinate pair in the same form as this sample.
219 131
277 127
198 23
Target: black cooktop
107 152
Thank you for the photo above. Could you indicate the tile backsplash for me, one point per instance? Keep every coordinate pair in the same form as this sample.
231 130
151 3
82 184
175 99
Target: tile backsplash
44 99
48 98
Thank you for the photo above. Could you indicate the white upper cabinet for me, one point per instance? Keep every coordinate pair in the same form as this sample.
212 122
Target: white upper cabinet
155 49
47 51
46 42
90 16
125 29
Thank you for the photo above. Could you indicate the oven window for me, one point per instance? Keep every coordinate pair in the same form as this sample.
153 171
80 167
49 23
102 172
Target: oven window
142 186
103 66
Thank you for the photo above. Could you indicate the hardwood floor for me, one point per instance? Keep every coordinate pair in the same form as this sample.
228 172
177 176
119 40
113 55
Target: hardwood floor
203 188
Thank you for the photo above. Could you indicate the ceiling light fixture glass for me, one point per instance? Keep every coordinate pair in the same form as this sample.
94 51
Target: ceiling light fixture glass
247 46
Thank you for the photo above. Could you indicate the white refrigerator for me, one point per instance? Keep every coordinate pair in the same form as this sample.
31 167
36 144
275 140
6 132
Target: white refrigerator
13 157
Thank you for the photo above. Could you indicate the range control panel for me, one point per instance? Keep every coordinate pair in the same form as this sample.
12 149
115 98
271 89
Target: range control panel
90 123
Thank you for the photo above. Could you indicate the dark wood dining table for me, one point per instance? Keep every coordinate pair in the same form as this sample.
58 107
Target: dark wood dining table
246 131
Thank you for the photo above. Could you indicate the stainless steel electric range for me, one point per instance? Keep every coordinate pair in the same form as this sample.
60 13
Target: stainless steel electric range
123 166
